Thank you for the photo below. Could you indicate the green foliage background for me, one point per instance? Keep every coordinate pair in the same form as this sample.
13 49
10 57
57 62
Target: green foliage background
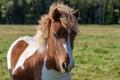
29 11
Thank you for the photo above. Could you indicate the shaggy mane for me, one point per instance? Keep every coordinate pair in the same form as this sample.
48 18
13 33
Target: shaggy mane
67 20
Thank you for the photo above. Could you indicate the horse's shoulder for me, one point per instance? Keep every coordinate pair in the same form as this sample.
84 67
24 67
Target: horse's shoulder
30 41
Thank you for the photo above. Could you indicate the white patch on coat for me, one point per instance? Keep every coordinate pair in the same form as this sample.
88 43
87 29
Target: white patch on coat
42 42
29 51
9 55
53 75
10 51
68 49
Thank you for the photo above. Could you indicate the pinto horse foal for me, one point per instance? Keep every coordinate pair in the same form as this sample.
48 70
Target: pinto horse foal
48 54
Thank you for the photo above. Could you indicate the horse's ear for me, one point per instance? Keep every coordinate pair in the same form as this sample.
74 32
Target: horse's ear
56 15
76 13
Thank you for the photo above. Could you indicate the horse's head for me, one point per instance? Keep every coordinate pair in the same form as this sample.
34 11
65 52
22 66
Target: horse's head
62 32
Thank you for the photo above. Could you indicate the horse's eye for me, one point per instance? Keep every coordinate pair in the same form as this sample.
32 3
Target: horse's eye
55 35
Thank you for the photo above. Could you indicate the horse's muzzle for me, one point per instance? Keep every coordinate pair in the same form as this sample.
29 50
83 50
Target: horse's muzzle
66 67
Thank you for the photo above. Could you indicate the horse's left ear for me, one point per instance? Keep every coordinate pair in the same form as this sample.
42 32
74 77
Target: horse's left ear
76 13
56 15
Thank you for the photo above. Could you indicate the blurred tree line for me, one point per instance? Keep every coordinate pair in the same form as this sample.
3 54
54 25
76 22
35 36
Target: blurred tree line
29 11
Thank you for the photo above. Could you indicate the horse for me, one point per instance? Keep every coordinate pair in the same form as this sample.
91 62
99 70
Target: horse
48 54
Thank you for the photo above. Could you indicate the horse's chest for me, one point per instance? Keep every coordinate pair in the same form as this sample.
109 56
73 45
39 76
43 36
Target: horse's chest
54 75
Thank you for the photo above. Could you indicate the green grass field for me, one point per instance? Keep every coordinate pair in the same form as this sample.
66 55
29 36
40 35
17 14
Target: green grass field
96 50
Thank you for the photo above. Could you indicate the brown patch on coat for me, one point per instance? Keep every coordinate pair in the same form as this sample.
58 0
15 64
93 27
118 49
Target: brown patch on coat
17 50
32 68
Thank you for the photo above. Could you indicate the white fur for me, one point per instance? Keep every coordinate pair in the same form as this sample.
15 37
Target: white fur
9 52
41 41
9 57
54 75
68 49
29 51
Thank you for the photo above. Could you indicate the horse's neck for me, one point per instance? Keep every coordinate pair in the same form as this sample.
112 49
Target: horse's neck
50 74
42 42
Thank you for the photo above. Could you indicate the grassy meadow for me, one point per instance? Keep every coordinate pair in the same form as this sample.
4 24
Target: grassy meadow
96 50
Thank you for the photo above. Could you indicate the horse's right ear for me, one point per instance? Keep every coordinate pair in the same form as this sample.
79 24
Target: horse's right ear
56 15
76 13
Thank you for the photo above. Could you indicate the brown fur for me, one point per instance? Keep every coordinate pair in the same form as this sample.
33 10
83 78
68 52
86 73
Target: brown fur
17 51
33 68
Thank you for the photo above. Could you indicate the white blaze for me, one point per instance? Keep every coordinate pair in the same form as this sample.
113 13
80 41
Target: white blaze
68 49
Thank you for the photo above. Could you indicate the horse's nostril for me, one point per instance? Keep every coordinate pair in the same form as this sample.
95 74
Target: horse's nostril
64 65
